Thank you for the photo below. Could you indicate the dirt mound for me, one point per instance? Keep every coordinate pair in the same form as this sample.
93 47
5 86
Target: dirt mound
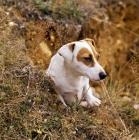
110 24
43 39
30 110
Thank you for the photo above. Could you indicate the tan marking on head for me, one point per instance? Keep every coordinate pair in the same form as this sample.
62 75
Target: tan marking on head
91 43
85 54
71 47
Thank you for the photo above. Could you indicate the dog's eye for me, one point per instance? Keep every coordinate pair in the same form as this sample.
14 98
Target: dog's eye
88 59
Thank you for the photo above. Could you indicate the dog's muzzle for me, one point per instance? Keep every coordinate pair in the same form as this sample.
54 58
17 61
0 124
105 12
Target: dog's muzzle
102 75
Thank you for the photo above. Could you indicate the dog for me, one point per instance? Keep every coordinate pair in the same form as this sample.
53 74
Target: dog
72 67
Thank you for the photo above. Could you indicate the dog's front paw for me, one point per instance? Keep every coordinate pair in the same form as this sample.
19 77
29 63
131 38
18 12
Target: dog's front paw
93 101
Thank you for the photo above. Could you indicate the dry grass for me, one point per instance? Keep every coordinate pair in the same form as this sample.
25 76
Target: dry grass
29 109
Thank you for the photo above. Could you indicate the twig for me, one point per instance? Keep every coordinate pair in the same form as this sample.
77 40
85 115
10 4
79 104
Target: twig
84 95
127 86
105 90
27 89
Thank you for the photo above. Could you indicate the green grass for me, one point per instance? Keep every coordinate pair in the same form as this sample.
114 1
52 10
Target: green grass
63 9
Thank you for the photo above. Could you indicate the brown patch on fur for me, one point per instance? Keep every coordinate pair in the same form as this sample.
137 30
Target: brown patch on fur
90 40
71 47
85 53
91 43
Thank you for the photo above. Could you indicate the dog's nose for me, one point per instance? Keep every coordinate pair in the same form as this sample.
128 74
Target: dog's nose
102 75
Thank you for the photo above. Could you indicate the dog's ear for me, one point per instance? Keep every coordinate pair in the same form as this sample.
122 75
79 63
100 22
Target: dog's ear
90 41
92 44
66 51
71 47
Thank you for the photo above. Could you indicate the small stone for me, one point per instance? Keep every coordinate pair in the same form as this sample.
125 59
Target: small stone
13 24
126 99
33 33
3 94
125 94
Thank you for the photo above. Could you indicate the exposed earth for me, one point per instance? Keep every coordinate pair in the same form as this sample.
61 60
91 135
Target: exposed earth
31 34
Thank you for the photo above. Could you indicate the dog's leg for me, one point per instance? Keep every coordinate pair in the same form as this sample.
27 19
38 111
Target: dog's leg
62 99
88 93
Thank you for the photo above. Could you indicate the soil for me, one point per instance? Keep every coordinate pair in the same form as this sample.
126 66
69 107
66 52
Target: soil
111 27
30 37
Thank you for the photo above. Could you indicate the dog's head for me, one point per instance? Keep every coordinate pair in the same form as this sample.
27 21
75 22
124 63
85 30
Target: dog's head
83 57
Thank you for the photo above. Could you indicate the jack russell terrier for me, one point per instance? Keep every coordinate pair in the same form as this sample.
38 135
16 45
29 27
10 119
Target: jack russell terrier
72 67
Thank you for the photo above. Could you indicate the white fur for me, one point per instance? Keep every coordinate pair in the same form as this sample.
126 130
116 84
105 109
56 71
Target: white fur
72 77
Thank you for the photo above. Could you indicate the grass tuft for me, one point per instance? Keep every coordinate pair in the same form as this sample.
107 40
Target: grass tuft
63 9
